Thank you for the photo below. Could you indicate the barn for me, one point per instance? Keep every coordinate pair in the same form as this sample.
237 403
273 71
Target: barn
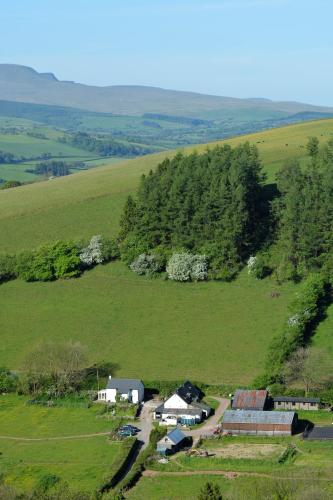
296 403
260 423
249 400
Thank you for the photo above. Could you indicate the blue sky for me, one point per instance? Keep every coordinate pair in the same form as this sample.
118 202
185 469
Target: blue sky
280 49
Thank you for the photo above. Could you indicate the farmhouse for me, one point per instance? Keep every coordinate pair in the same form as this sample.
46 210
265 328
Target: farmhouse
293 403
171 443
261 423
131 390
183 407
250 400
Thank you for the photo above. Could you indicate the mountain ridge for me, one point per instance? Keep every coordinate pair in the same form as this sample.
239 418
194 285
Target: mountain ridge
24 84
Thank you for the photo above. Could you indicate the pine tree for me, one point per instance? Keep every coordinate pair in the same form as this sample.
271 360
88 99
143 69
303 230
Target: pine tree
210 491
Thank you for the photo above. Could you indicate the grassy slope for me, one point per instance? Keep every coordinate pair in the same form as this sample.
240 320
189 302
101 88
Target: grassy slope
92 201
212 331
153 329
81 462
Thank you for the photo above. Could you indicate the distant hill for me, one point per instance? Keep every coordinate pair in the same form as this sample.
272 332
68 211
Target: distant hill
24 84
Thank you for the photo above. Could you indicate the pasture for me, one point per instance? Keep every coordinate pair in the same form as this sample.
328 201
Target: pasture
91 202
151 328
41 449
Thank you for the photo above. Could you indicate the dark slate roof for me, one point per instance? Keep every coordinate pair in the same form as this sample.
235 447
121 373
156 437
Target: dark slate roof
290 399
124 385
258 417
320 433
188 392
202 406
193 410
176 436
249 400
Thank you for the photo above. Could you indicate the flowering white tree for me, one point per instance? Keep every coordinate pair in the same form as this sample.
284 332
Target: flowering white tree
145 264
255 267
92 254
187 267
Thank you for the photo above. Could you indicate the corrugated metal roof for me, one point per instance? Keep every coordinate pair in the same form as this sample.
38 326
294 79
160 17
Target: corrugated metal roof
258 417
250 400
176 436
290 399
124 385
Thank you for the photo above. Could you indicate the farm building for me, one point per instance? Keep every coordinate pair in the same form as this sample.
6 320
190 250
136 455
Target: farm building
293 403
183 407
261 423
249 400
131 390
171 443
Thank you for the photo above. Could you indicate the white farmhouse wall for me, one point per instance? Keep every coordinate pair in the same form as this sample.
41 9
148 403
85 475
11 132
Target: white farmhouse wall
107 395
175 401
110 395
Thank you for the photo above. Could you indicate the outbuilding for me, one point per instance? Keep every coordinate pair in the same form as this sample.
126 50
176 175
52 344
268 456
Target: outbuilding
260 423
293 403
171 443
249 400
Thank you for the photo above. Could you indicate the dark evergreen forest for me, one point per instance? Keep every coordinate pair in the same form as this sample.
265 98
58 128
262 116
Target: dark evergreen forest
217 204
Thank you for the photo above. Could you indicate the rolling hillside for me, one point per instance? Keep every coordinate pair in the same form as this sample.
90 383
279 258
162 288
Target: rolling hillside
215 332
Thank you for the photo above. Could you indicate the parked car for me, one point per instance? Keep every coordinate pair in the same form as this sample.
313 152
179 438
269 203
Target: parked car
130 427
126 432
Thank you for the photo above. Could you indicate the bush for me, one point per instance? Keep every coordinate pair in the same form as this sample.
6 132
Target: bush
92 254
187 267
49 262
7 268
131 248
256 267
145 264
109 249
47 482
8 381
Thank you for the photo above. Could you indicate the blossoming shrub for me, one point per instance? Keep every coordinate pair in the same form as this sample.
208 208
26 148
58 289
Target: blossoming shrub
92 254
256 267
145 264
187 267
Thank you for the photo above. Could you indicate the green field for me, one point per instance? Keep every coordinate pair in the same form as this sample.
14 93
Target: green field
83 462
258 476
214 332
91 202
153 329
22 145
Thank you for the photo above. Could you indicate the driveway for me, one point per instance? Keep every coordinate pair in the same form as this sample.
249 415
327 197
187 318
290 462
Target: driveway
146 422
211 424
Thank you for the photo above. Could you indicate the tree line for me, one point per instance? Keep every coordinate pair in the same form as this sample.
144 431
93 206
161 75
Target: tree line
104 146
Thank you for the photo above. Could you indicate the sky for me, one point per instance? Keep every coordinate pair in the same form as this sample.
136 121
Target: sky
278 49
